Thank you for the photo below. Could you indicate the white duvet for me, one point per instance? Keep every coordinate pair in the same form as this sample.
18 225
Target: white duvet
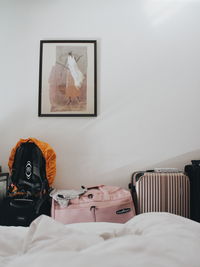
152 239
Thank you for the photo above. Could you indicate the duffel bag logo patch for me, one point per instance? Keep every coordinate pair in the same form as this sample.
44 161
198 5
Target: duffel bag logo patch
122 211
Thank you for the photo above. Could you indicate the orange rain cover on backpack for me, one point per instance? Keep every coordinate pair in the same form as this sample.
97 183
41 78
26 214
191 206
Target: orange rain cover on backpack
48 154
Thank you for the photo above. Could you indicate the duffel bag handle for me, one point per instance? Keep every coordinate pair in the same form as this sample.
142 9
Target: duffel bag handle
94 187
21 203
101 188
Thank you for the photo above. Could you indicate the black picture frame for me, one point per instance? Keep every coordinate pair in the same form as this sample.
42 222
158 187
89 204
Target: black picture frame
67 78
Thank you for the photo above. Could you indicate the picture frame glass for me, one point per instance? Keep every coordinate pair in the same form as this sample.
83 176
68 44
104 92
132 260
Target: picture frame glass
67 78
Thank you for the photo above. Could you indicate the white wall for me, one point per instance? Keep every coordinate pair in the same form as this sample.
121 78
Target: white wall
148 85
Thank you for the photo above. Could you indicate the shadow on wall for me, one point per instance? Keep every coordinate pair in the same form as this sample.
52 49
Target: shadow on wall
122 176
179 161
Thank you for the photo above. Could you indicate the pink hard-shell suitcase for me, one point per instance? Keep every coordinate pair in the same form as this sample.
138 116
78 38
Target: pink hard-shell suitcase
99 204
161 192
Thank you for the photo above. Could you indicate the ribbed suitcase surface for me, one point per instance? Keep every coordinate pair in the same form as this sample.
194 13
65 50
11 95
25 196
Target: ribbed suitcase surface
162 192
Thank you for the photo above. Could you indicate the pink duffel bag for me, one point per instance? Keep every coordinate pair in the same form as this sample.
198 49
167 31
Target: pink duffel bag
98 204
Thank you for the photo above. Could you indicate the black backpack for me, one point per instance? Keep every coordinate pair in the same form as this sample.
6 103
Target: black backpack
28 172
28 193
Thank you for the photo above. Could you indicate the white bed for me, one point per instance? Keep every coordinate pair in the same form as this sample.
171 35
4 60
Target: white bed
151 239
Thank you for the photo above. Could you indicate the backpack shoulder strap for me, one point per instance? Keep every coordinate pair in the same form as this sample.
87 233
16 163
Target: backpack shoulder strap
17 162
39 167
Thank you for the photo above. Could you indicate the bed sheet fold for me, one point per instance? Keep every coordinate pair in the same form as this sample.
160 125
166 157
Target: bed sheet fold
151 239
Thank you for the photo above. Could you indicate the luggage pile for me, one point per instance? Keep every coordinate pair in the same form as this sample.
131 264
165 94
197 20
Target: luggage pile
27 192
32 165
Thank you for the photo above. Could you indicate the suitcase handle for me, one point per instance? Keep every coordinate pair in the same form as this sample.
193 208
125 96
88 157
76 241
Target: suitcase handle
21 203
195 162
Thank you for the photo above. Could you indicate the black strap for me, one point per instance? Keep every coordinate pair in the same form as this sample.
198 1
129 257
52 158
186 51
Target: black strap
21 203
17 162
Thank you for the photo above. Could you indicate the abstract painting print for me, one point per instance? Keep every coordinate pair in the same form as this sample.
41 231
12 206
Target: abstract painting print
67 82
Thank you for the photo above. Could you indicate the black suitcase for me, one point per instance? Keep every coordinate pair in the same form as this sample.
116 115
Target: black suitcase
193 172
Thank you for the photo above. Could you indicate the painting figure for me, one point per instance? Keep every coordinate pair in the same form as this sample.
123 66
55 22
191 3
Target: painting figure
74 80
68 80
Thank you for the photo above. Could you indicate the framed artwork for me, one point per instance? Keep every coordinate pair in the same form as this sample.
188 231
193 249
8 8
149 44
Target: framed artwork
67 78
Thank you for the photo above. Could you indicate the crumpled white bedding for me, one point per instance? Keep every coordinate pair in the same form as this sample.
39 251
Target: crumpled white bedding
151 239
